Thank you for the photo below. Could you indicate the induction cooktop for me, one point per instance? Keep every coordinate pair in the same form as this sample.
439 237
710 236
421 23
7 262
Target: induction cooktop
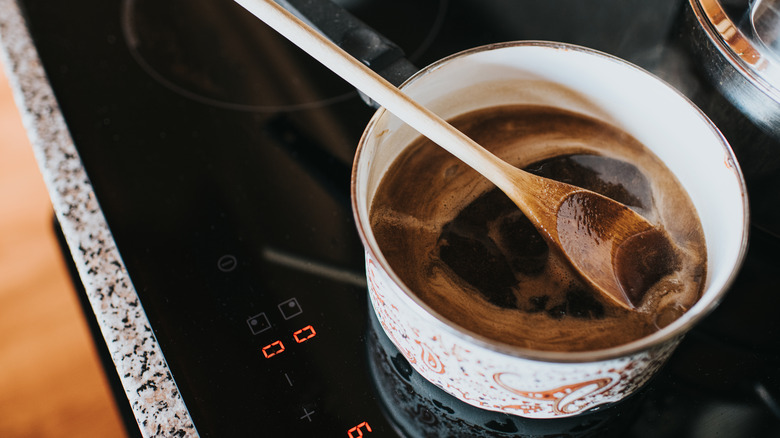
220 156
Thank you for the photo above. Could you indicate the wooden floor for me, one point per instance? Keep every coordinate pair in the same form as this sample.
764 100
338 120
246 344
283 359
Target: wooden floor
51 383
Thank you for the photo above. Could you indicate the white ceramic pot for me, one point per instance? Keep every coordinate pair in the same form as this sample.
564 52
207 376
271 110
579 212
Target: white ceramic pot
539 384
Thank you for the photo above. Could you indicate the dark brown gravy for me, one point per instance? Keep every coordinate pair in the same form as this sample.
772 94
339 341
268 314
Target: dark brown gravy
468 252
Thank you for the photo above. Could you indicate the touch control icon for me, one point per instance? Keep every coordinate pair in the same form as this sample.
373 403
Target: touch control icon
227 263
290 308
258 323
306 414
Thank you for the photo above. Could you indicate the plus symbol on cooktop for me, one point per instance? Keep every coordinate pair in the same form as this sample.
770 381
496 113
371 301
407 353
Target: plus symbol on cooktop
307 415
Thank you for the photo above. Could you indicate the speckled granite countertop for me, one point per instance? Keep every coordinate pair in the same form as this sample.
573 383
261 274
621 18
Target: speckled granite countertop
153 395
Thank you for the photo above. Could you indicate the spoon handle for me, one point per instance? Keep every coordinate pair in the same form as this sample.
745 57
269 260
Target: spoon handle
383 92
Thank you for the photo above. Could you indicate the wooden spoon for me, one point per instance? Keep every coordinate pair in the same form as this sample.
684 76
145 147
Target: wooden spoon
588 229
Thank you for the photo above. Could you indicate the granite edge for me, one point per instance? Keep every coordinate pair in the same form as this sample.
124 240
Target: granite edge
147 381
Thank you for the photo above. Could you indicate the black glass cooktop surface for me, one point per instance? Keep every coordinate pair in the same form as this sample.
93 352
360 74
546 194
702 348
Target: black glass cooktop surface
221 158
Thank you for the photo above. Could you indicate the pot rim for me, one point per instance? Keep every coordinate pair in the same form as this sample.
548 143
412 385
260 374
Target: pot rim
670 333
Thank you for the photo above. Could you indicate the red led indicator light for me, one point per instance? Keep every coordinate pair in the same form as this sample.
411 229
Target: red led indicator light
272 350
304 334
357 431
